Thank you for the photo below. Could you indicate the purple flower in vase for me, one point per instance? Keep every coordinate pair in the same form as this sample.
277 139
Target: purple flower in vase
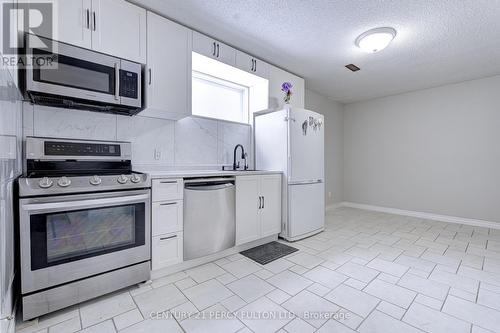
286 87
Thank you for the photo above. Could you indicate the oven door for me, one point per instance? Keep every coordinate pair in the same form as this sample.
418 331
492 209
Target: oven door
66 238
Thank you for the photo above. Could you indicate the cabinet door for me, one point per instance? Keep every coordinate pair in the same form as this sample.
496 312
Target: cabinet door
270 189
169 69
226 54
214 49
166 250
261 68
251 64
119 29
247 209
72 22
204 45
276 77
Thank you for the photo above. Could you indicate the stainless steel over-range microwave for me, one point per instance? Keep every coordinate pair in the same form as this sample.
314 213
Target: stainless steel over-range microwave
73 77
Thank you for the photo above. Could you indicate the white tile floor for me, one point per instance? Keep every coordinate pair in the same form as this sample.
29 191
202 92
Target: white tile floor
368 272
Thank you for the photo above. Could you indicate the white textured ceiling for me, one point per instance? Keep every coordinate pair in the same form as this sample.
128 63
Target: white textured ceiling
438 41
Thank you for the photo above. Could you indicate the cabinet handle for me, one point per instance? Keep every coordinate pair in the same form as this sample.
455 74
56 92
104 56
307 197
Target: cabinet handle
213 51
252 66
169 237
117 81
260 202
217 50
149 76
255 67
168 182
93 18
88 18
263 201
168 204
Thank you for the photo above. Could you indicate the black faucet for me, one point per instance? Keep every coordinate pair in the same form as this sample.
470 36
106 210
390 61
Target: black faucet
243 156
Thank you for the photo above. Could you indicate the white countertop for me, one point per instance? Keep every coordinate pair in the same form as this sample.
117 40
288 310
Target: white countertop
204 173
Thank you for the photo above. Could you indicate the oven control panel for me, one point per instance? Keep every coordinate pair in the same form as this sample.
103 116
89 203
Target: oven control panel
81 149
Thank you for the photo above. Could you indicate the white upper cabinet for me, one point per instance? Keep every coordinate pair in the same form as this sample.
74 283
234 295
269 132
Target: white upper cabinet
72 24
276 77
214 49
114 27
168 77
119 28
251 64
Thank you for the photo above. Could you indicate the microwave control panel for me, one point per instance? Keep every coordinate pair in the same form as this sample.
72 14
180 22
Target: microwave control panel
129 84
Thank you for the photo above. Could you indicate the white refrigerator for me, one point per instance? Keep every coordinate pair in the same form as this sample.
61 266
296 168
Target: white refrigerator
292 140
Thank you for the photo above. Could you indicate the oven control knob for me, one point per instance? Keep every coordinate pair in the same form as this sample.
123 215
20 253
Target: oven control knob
135 178
45 182
122 179
95 180
64 182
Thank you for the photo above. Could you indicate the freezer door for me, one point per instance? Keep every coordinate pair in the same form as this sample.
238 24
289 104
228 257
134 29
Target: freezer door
306 146
306 209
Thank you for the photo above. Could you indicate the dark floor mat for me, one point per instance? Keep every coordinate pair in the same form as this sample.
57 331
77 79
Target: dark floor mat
266 253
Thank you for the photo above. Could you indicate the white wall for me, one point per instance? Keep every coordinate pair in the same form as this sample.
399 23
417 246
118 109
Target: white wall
435 150
10 169
190 142
334 146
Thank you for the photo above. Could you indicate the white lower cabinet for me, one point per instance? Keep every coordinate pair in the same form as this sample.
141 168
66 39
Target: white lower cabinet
167 222
258 214
166 250
258 207
167 217
248 204
167 189
270 214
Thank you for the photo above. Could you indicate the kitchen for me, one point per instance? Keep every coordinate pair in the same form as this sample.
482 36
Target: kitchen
165 173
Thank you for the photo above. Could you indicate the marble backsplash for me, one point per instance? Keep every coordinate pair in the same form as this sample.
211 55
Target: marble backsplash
191 142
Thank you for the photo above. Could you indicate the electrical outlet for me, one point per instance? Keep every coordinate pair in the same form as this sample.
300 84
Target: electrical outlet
157 154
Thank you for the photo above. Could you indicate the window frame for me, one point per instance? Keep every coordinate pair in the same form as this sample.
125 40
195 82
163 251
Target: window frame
216 81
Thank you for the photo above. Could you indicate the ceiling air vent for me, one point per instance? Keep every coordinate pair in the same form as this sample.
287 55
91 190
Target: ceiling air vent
352 67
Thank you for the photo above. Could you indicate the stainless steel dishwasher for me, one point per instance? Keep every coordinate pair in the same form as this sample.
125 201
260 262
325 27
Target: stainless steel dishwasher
209 216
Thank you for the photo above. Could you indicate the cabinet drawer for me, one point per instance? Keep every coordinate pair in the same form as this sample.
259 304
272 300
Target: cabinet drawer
166 250
167 189
167 217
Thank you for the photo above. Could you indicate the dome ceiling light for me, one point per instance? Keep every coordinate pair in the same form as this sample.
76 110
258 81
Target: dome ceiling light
374 40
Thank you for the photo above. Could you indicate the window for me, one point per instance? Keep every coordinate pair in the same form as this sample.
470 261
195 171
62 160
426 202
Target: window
217 98
224 92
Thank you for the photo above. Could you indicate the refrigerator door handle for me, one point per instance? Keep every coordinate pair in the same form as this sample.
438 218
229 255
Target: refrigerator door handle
312 181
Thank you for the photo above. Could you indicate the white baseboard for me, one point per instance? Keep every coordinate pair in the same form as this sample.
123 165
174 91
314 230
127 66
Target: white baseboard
422 215
334 206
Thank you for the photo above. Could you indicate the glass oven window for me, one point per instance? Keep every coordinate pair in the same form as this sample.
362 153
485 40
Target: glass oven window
76 73
63 237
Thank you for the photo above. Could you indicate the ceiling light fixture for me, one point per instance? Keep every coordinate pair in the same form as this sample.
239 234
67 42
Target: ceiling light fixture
374 40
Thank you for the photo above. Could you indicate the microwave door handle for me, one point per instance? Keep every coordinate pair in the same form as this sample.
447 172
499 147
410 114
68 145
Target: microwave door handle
117 81
83 204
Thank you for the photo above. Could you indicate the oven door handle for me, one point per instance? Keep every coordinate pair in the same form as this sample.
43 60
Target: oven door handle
82 204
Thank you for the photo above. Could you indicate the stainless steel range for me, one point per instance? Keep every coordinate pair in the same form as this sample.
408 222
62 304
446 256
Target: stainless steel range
84 222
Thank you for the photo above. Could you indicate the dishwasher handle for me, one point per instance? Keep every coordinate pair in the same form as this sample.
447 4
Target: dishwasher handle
208 187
